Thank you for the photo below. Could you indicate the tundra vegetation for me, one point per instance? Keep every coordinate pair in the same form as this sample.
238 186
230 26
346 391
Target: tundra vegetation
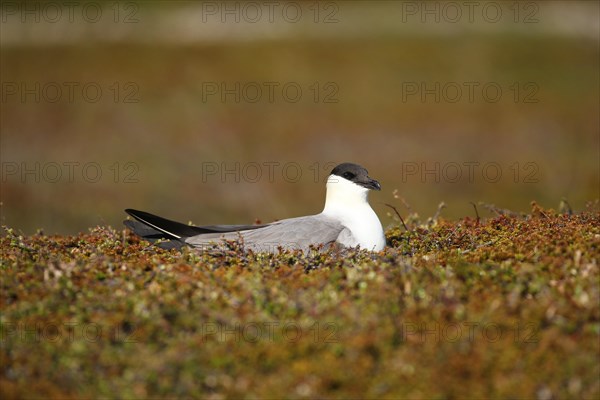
506 306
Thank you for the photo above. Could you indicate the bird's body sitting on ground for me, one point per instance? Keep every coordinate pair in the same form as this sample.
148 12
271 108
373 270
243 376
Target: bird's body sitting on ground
347 220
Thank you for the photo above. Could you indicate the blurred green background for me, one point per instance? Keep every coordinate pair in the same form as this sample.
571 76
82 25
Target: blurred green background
148 105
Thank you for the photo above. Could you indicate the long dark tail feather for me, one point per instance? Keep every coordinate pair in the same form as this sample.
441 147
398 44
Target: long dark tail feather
153 228
152 235
175 230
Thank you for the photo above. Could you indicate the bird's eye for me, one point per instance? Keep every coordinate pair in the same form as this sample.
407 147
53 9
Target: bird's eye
348 175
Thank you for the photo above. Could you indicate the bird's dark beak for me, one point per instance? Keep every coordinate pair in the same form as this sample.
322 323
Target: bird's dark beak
371 183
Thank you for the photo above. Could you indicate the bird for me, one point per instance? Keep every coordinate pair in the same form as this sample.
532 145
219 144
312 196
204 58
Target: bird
347 221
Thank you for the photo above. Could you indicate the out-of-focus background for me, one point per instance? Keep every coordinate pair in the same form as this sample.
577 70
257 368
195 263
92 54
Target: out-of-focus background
228 112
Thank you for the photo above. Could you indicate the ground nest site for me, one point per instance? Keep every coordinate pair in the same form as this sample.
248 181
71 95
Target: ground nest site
497 307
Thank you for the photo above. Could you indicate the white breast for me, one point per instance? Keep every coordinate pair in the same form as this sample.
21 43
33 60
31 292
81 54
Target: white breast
347 202
364 230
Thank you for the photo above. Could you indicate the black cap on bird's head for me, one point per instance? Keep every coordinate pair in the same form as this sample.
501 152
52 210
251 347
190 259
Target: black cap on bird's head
356 174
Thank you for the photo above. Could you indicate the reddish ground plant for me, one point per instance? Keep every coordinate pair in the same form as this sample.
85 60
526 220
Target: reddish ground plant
500 307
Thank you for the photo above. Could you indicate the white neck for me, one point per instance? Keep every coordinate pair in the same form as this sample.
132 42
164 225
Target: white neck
343 194
348 203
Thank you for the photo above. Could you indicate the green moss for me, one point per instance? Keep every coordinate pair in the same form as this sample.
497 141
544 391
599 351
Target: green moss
494 308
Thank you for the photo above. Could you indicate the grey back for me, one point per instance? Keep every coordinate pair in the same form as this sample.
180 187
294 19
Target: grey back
288 234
